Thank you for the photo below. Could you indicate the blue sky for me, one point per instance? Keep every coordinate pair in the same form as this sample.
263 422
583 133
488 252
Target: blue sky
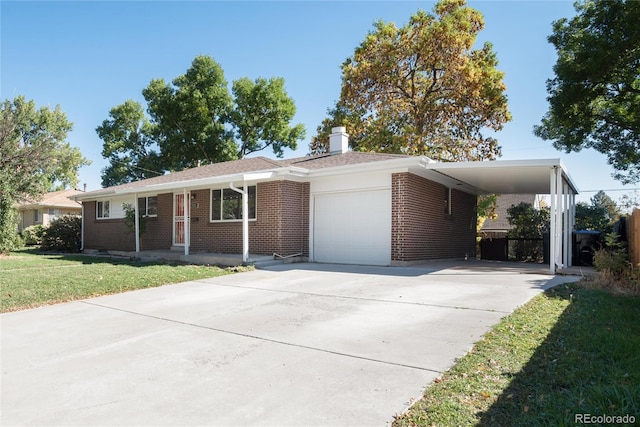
90 56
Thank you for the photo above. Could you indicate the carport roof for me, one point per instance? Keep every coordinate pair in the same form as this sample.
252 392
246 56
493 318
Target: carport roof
503 176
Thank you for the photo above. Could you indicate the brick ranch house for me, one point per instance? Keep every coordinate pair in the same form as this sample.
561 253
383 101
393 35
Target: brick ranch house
341 207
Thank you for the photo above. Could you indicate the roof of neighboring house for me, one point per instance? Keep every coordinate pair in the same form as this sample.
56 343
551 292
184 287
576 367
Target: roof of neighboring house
54 199
504 202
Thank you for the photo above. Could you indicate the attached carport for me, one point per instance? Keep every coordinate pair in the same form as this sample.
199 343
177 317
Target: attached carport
545 176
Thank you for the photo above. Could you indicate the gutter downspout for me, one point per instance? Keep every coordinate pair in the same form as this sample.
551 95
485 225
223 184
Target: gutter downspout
245 220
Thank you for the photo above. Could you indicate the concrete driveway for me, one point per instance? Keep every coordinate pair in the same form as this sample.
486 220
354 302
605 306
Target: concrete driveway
301 344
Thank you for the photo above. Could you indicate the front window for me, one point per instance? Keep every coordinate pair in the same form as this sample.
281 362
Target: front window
36 215
102 209
148 206
226 204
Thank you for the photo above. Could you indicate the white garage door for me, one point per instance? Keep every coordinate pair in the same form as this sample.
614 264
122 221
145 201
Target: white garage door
353 227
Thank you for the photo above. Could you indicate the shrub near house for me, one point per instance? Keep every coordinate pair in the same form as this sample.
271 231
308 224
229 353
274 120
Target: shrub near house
33 234
63 234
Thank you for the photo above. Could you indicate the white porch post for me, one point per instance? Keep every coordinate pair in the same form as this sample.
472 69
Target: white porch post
245 224
187 220
552 221
136 221
245 220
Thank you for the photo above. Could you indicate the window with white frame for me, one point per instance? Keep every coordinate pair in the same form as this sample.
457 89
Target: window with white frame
226 204
36 215
102 209
148 206
53 214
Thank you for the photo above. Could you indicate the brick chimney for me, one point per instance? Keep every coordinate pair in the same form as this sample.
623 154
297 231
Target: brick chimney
338 141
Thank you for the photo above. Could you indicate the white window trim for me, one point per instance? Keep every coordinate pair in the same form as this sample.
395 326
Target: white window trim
146 206
53 213
97 210
229 220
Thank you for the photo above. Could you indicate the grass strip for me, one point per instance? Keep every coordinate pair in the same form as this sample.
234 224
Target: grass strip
572 350
29 279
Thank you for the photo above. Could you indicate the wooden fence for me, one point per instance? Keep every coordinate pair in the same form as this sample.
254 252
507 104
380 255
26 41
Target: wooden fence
633 236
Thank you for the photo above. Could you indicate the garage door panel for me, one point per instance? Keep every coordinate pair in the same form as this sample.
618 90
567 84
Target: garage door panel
353 227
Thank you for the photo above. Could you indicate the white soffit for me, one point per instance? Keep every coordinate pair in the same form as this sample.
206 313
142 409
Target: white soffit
505 176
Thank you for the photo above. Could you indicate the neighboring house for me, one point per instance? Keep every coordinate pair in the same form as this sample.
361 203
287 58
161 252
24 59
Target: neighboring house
49 207
494 244
498 227
341 207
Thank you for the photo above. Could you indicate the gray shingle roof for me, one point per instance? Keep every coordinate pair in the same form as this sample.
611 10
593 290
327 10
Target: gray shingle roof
253 164
217 169
349 158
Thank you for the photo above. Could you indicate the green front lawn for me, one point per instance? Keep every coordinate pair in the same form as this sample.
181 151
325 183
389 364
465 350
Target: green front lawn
572 350
30 279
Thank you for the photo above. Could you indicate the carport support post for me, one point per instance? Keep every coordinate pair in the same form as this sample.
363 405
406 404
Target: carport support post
552 221
572 224
559 210
565 225
557 233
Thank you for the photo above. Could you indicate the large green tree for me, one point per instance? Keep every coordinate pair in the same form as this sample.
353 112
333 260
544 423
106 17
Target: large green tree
261 116
128 145
422 89
526 221
594 97
599 215
190 115
35 157
196 120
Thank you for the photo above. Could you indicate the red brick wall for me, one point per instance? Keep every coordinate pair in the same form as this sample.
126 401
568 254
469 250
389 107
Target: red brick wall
159 230
421 229
282 224
112 234
105 234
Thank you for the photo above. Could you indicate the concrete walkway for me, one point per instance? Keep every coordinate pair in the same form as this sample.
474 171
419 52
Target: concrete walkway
300 344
